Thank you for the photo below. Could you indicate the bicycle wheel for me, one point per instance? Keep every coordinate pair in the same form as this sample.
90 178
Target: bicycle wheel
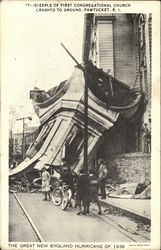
57 196
65 201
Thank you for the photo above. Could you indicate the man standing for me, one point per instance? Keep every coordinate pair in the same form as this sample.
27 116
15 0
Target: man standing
102 174
83 189
146 133
94 191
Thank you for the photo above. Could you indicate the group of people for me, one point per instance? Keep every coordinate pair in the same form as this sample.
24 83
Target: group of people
87 185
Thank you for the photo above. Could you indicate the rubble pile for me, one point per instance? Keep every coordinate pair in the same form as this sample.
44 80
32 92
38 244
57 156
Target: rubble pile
22 185
111 187
133 191
143 227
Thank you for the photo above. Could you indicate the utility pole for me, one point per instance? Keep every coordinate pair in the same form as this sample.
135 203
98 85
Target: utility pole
85 122
23 134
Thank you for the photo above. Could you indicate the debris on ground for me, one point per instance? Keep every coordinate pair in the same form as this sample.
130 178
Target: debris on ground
22 185
143 227
129 224
145 194
133 191
19 188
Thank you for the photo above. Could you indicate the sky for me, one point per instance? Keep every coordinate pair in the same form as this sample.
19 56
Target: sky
32 54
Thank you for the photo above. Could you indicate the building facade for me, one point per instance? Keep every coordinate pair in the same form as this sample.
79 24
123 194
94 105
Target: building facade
30 135
120 45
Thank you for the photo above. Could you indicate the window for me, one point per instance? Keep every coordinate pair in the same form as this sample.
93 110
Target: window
105 48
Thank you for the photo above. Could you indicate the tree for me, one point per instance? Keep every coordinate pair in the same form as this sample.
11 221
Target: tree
12 120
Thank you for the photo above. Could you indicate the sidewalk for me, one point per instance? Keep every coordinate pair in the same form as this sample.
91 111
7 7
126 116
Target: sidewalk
136 208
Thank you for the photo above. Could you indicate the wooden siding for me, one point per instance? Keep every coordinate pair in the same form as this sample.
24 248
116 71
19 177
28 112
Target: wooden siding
105 45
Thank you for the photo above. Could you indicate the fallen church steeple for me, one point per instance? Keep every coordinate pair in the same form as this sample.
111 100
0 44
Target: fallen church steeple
61 111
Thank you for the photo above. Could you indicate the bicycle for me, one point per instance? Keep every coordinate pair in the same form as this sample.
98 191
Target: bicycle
61 195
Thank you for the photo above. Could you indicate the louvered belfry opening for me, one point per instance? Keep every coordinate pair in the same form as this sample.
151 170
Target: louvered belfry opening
105 43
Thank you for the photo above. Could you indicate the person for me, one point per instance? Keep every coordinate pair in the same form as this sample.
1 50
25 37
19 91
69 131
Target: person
83 189
149 137
94 191
102 174
67 176
146 134
46 184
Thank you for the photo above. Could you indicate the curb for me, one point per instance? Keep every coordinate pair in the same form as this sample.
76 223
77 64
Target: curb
128 213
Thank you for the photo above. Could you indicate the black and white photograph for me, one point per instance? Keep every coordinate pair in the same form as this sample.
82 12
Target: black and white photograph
80 101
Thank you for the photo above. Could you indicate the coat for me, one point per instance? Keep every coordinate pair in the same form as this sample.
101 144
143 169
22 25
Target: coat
83 186
45 181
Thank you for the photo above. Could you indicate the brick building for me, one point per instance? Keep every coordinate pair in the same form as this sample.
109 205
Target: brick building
30 135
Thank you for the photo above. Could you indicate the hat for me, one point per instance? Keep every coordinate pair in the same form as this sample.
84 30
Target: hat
100 161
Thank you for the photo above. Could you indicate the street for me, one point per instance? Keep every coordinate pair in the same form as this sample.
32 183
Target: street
19 228
56 225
